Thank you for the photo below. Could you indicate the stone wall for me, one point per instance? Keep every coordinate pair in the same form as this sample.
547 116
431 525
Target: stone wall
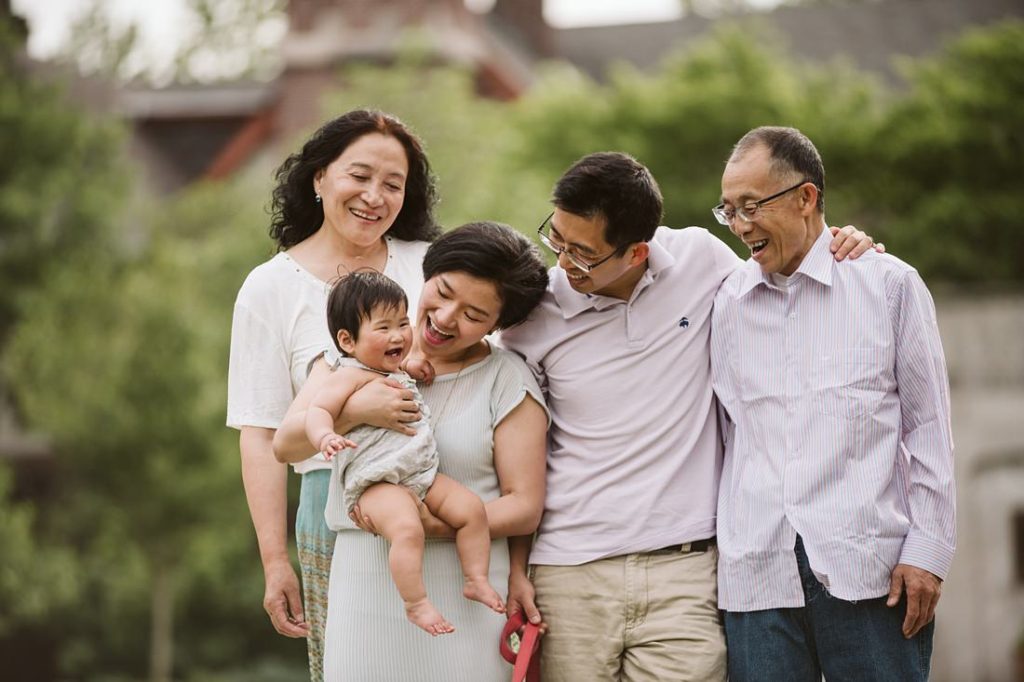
981 615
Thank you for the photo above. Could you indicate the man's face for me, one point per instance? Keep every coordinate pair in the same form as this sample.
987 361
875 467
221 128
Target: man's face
584 238
782 231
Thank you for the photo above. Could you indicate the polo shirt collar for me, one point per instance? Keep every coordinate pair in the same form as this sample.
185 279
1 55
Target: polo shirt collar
818 264
572 303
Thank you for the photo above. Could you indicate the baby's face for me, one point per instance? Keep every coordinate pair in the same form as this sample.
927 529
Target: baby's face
385 337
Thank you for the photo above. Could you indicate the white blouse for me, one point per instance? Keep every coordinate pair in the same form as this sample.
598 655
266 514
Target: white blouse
280 324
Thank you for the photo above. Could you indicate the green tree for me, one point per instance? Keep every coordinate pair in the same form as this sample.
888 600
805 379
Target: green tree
122 362
946 163
60 181
59 186
472 142
682 120
37 580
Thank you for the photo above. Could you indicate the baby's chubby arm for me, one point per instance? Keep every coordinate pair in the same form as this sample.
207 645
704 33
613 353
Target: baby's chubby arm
326 406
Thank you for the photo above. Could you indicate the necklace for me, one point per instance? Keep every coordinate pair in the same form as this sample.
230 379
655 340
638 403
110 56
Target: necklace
436 418
344 268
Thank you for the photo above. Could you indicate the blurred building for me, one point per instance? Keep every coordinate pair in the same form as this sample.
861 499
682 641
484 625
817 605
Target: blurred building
186 133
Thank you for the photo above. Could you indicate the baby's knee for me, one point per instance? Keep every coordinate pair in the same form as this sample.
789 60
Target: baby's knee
406 531
469 511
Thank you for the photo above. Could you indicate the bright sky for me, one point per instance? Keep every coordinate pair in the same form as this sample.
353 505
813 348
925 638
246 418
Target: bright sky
162 21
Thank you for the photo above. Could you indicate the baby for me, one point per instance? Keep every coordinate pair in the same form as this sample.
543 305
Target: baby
368 318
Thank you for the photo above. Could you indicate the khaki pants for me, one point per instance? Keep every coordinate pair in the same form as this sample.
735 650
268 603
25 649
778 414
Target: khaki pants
650 616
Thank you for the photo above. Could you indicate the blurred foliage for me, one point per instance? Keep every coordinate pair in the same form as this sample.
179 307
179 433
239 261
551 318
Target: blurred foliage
36 580
471 142
950 159
121 362
46 148
119 346
682 120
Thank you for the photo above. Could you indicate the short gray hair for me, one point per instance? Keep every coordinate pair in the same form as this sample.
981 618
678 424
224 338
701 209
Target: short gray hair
791 152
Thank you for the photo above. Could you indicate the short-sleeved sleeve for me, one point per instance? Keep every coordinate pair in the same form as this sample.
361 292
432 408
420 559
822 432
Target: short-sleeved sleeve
725 259
259 381
512 383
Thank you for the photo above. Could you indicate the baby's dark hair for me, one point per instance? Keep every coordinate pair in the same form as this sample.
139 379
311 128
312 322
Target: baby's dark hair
354 297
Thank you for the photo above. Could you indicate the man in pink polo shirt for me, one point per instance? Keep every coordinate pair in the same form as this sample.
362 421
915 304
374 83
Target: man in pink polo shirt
623 566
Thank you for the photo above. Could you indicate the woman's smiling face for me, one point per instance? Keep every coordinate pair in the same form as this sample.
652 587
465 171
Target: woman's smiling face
364 188
456 311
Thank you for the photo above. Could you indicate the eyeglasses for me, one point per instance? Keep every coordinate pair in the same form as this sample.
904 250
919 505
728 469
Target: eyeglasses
748 212
558 250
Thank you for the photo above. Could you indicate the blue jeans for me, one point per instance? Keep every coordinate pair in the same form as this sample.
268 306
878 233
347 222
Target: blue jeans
844 640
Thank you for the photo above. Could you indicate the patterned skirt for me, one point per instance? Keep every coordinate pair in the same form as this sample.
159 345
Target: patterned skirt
315 542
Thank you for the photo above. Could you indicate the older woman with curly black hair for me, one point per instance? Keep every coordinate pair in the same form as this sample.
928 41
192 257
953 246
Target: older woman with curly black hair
358 195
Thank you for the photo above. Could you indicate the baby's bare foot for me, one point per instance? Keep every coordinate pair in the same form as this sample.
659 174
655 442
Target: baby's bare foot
423 614
479 589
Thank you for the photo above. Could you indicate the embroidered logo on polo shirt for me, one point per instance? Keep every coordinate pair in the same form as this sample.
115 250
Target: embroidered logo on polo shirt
684 323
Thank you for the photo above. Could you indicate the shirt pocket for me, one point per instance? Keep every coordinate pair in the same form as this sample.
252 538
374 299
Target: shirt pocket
849 384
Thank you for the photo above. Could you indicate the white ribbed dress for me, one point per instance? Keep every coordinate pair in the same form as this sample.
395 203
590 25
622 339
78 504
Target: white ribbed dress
368 637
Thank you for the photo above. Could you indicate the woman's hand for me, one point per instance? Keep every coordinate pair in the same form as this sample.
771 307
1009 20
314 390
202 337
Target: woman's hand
282 601
849 241
521 596
433 527
362 521
383 403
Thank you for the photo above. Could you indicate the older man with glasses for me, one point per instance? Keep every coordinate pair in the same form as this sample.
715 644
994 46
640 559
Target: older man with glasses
836 512
623 564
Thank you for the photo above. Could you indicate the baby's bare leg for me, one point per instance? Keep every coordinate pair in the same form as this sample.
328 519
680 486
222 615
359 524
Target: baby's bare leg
396 517
463 510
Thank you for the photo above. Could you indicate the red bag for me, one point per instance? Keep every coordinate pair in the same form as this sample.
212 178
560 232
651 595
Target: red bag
527 662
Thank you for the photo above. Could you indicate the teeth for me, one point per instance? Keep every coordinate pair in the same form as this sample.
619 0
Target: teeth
758 245
438 331
364 216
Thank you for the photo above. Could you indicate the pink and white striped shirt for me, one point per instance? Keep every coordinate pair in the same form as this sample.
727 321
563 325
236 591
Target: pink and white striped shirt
837 393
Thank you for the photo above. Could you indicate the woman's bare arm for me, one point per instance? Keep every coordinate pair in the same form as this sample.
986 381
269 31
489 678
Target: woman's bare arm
520 460
265 482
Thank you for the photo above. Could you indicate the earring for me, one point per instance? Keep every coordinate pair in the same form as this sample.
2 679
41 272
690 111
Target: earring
318 197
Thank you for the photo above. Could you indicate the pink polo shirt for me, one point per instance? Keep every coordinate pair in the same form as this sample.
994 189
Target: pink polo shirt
634 450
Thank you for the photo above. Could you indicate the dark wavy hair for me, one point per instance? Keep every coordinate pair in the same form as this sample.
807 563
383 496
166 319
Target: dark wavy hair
498 253
295 214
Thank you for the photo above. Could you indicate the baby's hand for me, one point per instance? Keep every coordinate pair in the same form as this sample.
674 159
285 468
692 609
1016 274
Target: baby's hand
420 369
332 444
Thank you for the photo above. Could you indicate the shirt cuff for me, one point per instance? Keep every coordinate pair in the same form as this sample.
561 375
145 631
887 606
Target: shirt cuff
924 552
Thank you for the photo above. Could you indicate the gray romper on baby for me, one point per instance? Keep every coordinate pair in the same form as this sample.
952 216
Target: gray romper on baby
381 455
